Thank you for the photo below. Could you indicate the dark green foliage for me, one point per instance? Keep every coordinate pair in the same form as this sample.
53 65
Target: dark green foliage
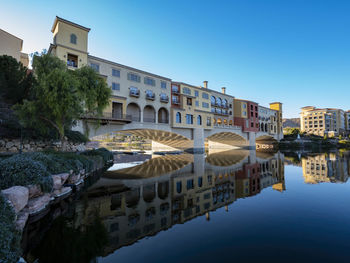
76 136
22 170
103 152
10 237
15 81
78 245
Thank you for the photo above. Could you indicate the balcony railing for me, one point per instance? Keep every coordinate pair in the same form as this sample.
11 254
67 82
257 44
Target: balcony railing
150 96
164 99
147 119
134 93
163 121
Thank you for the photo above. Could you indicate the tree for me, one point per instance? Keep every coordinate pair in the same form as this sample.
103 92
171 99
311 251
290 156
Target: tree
15 80
60 96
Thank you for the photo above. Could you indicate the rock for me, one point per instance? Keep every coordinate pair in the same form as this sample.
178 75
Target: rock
22 220
74 178
26 146
64 177
13 149
37 204
34 191
2 143
57 182
18 196
9 145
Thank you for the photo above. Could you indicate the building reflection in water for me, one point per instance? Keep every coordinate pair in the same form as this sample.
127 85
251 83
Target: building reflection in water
183 187
326 167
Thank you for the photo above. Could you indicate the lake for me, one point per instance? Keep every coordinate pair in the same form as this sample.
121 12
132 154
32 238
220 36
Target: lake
234 206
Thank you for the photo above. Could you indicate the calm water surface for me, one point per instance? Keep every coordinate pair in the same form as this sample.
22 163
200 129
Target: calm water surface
237 206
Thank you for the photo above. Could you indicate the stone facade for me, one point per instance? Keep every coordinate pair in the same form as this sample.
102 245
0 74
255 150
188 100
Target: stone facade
14 145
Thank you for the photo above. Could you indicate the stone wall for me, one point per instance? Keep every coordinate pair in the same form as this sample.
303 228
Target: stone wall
14 145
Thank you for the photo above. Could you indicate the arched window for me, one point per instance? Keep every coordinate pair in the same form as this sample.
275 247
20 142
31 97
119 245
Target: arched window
225 121
178 117
266 127
178 187
218 102
212 100
219 121
199 120
224 103
73 39
231 122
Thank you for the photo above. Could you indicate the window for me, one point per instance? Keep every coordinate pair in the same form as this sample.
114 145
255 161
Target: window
200 181
251 107
163 84
149 81
244 106
72 61
224 103
95 67
208 121
256 108
205 105
212 100
134 77
115 72
218 102
189 101
196 93
164 97
134 91
150 94
186 91
189 119
190 184
199 120
175 89
175 99
178 117
197 103
244 113
73 39
115 86
178 187
205 95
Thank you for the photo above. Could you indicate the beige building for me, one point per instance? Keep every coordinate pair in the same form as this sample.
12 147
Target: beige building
323 168
137 95
12 46
327 121
268 120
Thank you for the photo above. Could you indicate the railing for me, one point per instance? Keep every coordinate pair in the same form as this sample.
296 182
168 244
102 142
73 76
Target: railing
150 96
110 116
152 120
163 121
164 99
134 93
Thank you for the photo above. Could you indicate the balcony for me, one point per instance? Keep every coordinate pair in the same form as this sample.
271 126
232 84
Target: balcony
134 93
150 96
164 99
175 90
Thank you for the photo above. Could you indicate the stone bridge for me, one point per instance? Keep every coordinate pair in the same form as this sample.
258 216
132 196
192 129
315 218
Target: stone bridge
166 137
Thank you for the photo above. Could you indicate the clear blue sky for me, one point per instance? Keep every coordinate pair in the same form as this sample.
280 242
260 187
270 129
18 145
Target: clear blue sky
296 52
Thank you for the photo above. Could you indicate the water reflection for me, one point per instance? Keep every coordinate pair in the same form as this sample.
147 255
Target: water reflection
326 167
142 200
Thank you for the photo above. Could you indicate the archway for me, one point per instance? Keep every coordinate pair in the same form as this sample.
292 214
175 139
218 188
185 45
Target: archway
133 110
149 114
163 115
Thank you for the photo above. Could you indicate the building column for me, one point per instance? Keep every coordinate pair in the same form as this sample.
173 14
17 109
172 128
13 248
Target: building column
251 139
198 140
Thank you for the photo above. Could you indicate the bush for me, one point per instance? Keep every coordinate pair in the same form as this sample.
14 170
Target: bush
103 152
52 165
22 170
76 137
10 237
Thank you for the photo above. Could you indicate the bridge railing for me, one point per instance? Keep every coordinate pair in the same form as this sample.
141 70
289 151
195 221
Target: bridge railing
111 116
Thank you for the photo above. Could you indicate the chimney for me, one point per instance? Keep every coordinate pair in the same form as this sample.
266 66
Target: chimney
223 90
205 83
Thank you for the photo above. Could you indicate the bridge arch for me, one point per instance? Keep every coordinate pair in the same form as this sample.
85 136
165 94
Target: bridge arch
133 109
227 138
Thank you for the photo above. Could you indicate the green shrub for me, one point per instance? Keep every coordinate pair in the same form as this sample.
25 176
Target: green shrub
22 170
76 136
51 163
103 152
10 237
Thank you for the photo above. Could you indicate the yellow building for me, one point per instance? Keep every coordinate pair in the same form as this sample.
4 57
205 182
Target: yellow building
12 46
326 121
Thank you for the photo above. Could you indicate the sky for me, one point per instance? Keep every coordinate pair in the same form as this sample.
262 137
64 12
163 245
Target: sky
296 52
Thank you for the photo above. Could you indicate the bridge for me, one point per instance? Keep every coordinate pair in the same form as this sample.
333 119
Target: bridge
166 137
